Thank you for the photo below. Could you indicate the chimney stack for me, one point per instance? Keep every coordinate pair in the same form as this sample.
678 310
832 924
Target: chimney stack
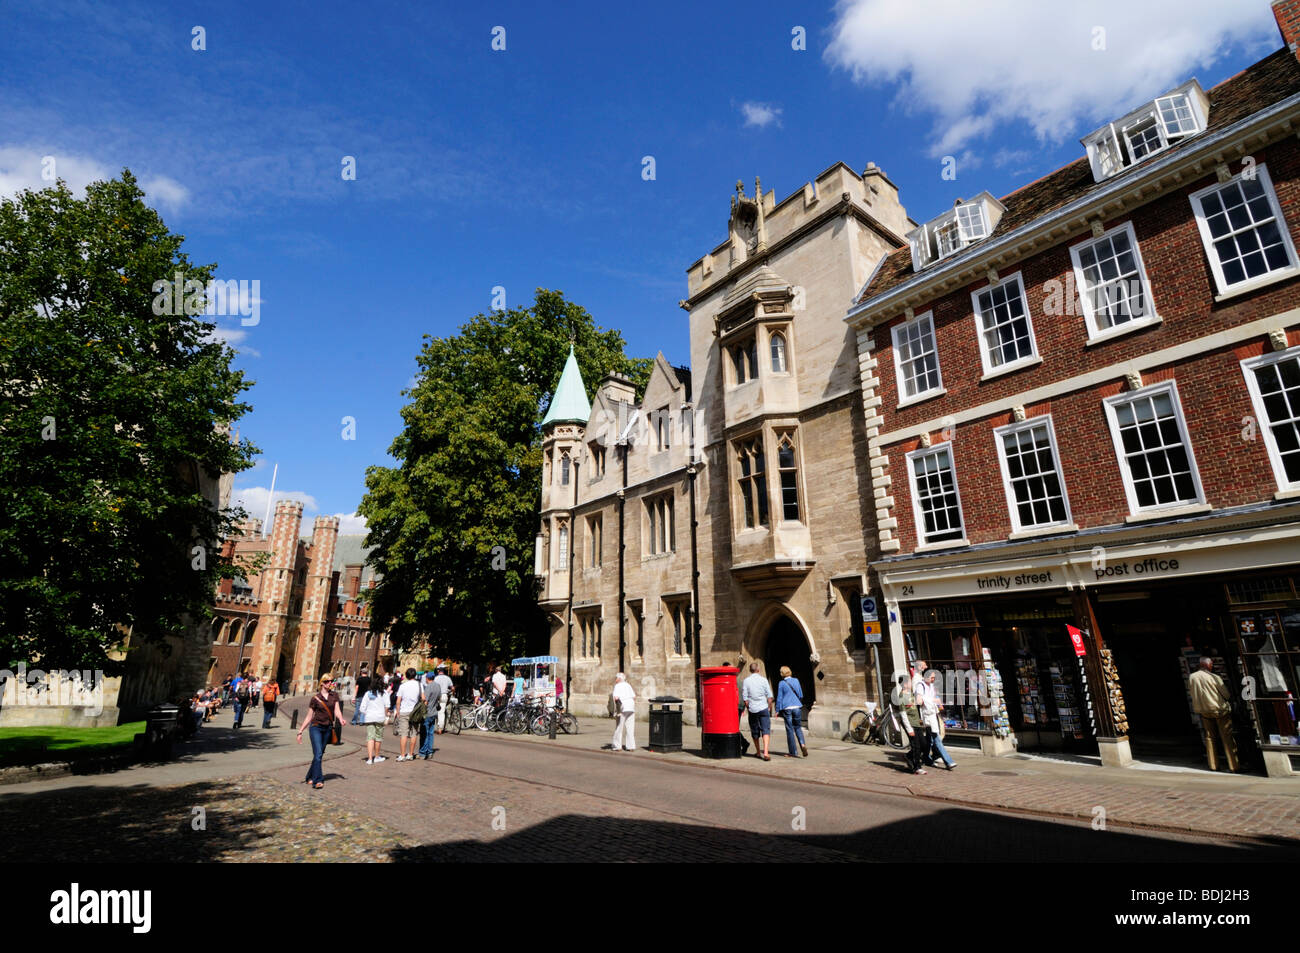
1287 14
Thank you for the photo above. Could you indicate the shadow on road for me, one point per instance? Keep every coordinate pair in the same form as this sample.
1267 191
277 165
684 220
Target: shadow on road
953 835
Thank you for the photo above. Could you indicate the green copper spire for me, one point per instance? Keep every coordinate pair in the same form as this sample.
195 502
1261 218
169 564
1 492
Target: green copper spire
570 404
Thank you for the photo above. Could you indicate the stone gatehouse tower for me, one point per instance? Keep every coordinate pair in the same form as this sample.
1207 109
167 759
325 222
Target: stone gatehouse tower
762 439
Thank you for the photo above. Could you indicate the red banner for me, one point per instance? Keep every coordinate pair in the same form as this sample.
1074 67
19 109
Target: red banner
1076 637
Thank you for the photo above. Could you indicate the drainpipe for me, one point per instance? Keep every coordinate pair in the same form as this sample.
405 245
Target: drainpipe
622 595
573 531
691 471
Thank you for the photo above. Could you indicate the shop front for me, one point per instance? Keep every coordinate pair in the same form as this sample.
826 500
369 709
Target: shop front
1089 652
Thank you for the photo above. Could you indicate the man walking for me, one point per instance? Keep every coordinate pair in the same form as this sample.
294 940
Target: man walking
444 681
241 700
756 693
432 697
270 696
624 715
1213 704
363 686
408 695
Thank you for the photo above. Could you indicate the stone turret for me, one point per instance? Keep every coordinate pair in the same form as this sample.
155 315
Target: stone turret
277 586
315 601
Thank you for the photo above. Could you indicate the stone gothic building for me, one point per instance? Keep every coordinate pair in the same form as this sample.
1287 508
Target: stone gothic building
741 486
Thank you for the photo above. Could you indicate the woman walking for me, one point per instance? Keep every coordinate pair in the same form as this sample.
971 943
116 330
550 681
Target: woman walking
323 710
789 702
373 711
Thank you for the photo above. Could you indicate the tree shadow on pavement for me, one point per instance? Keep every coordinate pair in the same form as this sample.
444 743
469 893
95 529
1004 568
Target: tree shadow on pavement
138 824
951 835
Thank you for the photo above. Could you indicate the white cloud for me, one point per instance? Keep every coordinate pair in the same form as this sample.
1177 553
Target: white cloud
253 500
978 66
761 114
163 190
36 169
351 523
28 167
235 337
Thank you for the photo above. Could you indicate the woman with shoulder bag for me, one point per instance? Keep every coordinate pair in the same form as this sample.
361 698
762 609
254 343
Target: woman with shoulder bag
789 701
323 711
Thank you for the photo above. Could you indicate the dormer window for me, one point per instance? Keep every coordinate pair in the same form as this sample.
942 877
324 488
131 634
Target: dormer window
949 233
1153 128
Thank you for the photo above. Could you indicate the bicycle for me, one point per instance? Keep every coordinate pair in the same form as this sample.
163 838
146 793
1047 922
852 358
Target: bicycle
564 721
451 717
882 726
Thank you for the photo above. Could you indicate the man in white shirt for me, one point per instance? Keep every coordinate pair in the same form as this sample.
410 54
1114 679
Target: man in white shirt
498 681
625 715
407 697
756 693
444 680
918 678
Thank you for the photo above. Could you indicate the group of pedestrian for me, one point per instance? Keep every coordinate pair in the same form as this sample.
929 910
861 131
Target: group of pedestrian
415 706
757 699
241 691
918 702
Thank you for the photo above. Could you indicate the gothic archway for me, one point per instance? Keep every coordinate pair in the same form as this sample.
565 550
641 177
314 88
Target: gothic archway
787 644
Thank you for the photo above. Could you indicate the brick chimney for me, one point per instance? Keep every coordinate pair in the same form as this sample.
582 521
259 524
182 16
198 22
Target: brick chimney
1287 14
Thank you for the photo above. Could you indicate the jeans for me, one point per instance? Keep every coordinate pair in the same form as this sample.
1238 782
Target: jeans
356 715
936 747
760 723
793 726
239 713
320 737
430 726
917 752
268 712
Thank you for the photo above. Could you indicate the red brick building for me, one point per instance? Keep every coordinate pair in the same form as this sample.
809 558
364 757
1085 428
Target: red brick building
304 613
1083 408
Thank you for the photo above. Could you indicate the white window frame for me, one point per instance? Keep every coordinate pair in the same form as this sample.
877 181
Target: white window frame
1121 458
1207 241
918 516
1248 368
1025 361
899 377
1013 506
1089 313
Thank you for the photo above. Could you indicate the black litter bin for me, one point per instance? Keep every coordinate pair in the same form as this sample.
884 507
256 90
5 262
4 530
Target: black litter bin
161 725
665 723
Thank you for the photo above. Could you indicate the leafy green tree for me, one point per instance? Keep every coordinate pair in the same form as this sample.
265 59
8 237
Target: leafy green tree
112 419
453 525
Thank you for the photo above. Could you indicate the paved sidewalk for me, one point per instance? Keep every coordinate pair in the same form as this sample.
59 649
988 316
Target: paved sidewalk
1151 797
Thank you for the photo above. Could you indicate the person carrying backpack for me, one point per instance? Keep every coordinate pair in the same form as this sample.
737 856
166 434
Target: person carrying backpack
242 698
270 696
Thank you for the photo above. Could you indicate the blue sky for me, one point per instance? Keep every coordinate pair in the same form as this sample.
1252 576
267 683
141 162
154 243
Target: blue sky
522 167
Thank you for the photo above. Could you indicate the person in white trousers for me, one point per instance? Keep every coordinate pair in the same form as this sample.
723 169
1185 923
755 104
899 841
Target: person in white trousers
625 716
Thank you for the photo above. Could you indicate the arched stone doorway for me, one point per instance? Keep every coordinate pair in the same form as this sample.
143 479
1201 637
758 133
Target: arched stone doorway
787 645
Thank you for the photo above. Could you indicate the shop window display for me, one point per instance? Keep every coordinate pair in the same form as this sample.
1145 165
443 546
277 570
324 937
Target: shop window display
1270 653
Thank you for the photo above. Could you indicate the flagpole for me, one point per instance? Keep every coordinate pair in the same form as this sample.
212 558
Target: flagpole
270 496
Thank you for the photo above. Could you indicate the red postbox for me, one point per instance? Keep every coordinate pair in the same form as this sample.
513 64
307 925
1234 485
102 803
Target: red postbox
720 717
